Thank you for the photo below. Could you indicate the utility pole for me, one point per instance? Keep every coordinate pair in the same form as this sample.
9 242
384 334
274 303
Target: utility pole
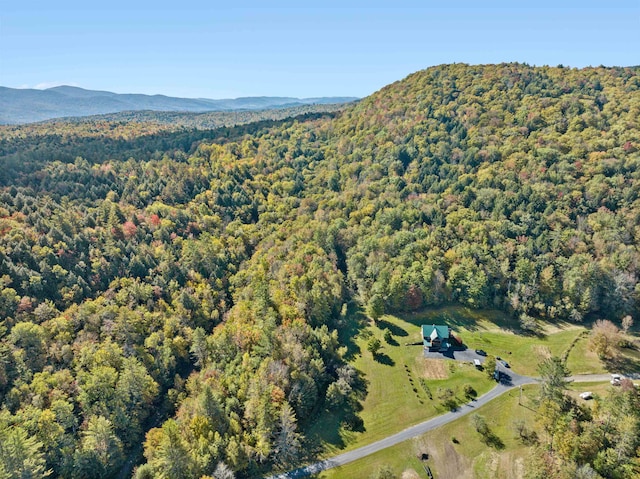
520 397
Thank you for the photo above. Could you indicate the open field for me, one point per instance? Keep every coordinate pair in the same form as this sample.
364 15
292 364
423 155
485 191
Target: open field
403 388
499 335
582 361
468 457
600 388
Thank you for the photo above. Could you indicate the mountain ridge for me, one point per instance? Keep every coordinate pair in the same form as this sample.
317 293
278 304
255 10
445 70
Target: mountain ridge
223 278
30 105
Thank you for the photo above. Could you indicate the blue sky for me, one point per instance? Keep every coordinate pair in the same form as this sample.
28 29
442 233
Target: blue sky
283 48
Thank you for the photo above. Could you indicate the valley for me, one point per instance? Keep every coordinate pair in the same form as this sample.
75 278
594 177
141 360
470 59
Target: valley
194 297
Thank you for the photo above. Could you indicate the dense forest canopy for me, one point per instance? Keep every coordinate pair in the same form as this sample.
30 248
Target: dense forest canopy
142 135
185 298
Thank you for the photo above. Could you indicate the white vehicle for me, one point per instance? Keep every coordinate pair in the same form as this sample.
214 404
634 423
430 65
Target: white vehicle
586 395
615 379
476 363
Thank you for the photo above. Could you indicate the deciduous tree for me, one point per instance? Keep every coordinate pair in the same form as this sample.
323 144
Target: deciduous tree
605 339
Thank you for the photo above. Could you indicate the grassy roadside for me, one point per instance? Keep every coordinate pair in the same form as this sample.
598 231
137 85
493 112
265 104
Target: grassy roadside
404 389
468 456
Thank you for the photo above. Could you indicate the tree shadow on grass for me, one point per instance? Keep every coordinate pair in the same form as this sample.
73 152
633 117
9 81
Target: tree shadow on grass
459 316
332 431
383 358
360 388
391 341
328 430
494 441
394 328
353 422
622 364
349 328
530 333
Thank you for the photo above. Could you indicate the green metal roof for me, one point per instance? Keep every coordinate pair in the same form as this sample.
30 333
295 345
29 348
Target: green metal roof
441 330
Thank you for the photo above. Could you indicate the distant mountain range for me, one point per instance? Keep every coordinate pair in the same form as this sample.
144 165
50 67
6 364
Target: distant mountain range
27 105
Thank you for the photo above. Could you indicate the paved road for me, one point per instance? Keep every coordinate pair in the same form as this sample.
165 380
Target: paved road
509 381
589 378
593 378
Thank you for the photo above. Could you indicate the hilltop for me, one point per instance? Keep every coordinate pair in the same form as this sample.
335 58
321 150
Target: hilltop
205 296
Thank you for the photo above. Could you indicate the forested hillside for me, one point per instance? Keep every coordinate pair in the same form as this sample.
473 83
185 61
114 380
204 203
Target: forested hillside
186 299
141 135
23 105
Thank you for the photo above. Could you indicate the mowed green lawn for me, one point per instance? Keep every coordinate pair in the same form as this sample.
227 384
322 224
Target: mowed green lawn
499 335
583 361
467 457
397 398
601 388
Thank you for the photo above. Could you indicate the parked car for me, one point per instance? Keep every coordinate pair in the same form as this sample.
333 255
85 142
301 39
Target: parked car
481 352
505 364
586 395
615 379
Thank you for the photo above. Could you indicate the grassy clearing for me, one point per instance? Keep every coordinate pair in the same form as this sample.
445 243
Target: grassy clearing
468 457
396 401
601 389
627 361
499 335
522 352
583 361
404 389
400 458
